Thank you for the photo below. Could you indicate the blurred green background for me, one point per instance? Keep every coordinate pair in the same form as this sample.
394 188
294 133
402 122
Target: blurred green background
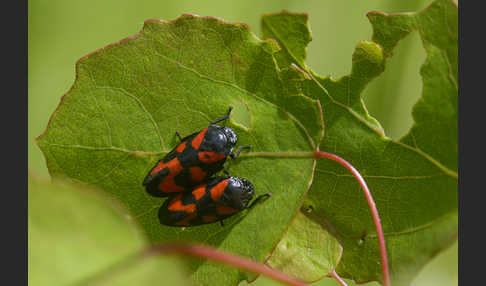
62 31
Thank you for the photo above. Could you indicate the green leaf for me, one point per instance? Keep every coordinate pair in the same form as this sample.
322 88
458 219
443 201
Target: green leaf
308 251
76 236
414 180
130 97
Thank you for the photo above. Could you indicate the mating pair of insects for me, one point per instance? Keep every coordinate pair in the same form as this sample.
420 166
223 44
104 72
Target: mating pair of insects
185 176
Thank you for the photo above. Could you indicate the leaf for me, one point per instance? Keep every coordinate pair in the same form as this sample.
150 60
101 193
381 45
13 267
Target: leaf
130 97
76 236
308 251
414 180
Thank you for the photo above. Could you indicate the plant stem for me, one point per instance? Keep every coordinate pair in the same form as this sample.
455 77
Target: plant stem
338 279
374 211
198 250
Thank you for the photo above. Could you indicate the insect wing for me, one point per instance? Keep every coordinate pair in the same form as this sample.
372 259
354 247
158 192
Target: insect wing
178 210
165 168
195 207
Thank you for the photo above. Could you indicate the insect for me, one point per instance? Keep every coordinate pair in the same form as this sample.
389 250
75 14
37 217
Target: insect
196 158
215 200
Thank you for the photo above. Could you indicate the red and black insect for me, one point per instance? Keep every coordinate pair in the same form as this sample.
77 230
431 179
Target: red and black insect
198 157
215 200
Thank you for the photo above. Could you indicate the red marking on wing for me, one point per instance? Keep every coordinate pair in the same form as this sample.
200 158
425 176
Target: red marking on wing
209 218
187 220
199 192
168 184
196 142
176 205
210 157
224 210
160 166
197 174
181 147
218 190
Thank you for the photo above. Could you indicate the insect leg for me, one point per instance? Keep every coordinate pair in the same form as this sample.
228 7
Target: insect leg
234 156
178 136
222 224
259 198
226 171
224 117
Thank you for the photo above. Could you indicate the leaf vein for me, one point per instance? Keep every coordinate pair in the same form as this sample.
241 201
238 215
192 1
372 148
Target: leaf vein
110 148
156 127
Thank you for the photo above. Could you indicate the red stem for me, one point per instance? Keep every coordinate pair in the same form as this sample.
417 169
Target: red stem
374 211
226 258
338 279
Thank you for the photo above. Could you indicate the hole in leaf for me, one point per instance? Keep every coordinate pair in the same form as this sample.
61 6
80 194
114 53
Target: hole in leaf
241 114
307 206
362 238
390 97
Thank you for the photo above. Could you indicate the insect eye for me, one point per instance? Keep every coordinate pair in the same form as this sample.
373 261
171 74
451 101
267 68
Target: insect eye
221 137
230 135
